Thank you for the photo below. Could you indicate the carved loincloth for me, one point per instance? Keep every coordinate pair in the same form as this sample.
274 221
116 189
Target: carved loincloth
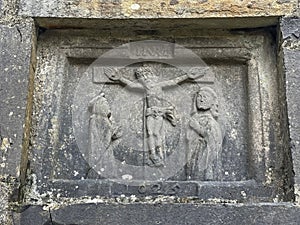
167 113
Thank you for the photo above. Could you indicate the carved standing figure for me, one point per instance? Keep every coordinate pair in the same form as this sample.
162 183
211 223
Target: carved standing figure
157 108
101 129
205 137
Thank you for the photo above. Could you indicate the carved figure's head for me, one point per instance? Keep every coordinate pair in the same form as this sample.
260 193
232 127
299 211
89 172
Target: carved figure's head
145 73
207 99
100 106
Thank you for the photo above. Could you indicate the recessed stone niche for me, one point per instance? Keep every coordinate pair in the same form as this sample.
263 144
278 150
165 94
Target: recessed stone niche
130 113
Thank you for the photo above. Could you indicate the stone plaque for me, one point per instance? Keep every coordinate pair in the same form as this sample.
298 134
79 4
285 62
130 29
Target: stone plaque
194 116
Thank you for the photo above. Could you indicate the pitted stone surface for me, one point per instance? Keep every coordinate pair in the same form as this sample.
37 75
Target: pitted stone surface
241 92
14 73
155 9
98 214
291 54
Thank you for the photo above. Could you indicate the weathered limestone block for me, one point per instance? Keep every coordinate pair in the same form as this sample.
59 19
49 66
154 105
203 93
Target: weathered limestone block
15 52
167 213
8 11
89 117
8 194
291 53
5 190
155 9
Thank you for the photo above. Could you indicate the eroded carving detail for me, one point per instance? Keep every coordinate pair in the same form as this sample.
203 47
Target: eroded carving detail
157 108
203 128
151 50
102 130
205 137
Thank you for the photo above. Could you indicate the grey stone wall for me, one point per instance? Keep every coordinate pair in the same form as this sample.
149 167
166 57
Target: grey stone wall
177 214
17 60
291 55
15 51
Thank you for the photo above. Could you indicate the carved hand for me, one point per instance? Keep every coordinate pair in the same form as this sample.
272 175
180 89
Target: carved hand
91 104
195 73
194 124
198 127
112 73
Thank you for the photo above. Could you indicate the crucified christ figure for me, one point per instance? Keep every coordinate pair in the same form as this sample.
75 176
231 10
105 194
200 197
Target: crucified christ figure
157 108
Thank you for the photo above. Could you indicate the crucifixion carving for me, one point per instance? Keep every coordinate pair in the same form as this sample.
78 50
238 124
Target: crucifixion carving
157 108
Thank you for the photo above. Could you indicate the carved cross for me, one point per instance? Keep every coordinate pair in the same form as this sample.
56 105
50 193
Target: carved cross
156 108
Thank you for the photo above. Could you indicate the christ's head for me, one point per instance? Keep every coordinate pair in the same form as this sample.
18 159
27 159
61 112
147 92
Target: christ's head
145 74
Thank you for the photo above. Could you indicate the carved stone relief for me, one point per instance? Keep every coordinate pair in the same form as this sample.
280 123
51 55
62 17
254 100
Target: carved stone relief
149 118
201 140
205 137
102 131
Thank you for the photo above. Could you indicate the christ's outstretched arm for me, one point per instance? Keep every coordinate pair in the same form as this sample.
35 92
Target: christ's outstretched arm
179 79
131 84
116 75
